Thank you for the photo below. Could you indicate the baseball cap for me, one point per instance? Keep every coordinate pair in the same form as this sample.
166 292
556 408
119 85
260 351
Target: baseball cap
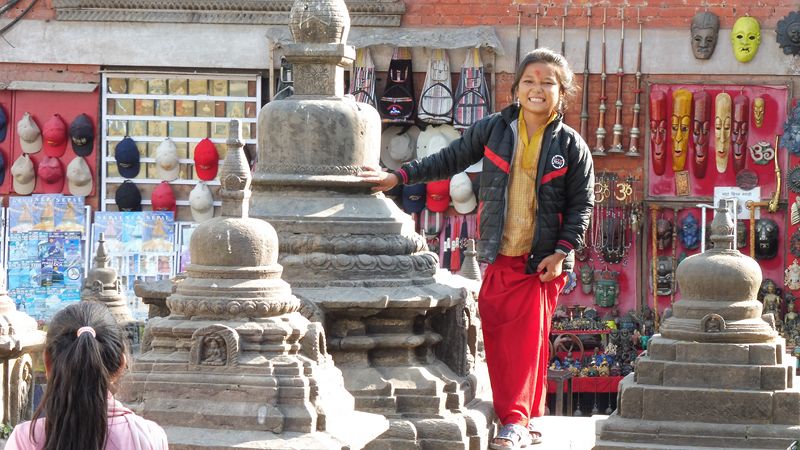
30 137
167 165
127 155
79 177
55 136
461 192
438 196
206 160
414 197
81 133
24 175
3 124
128 197
163 199
477 167
51 176
201 203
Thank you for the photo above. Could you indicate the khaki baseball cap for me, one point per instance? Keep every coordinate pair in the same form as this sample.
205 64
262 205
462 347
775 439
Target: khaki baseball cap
201 203
167 165
24 175
79 177
30 136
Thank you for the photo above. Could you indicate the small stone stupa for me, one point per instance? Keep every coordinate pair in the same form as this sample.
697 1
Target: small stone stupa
20 338
717 375
404 333
235 365
102 285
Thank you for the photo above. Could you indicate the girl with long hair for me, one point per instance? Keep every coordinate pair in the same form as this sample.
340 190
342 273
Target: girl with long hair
85 355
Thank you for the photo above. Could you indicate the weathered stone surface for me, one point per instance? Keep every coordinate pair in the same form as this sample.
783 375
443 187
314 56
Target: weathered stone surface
697 352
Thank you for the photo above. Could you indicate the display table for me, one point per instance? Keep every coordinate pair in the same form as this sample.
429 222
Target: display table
590 384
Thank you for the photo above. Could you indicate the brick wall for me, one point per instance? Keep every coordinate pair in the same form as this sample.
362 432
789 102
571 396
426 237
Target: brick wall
655 14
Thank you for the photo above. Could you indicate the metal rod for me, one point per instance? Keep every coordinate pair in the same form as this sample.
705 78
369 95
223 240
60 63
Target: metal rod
585 99
633 149
601 130
536 25
519 36
616 146
564 32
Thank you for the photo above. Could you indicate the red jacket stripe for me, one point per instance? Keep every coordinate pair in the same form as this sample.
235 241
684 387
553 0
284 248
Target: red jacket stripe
554 174
496 159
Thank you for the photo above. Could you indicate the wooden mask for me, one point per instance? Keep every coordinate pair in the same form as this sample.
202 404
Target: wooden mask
701 128
722 130
741 120
681 112
658 131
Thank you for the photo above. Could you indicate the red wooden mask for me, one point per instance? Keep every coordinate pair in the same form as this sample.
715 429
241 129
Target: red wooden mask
741 119
701 128
658 131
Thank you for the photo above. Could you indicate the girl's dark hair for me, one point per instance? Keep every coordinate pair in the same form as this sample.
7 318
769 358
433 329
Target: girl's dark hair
566 79
80 374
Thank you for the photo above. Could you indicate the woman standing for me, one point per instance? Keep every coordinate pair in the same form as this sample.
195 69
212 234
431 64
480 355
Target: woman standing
536 196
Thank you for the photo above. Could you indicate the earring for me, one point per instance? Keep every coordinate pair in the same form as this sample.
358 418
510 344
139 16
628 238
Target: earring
516 102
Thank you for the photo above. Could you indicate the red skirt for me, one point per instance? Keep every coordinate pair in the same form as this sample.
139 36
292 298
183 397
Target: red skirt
515 310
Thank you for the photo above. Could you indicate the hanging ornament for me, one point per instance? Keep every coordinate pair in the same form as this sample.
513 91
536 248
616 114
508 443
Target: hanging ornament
791 132
788 31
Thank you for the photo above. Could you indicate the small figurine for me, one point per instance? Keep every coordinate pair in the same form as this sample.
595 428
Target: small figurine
603 370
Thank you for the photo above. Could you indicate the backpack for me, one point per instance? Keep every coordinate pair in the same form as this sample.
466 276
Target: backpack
436 101
362 83
397 105
472 101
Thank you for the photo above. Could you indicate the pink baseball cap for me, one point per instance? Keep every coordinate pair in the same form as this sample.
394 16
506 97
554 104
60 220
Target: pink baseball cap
51 176
55 136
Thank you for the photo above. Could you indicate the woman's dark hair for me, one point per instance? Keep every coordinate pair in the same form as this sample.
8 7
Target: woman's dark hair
79 377
566 79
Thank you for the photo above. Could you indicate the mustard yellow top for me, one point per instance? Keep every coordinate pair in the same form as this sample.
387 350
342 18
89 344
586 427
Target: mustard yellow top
521 209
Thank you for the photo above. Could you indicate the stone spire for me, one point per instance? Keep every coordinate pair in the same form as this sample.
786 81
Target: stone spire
102 285
719 291
470 268
235 175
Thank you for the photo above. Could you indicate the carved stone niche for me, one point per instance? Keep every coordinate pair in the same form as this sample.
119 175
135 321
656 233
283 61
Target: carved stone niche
215 346
378 13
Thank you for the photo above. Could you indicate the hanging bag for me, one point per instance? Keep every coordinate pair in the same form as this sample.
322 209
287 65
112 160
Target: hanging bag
472 96
397 104
436 101
362 85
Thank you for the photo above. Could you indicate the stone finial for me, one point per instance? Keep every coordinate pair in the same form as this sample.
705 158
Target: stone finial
722 228
101 257
319 21
235 175
470 268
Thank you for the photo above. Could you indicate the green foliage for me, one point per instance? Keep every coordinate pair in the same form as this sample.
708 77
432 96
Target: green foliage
5 431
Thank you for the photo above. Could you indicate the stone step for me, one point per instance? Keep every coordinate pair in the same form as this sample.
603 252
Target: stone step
617 433
660 348
715 376
420 404
733 406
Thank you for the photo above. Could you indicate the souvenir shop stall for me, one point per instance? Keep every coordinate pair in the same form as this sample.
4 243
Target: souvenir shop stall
132 156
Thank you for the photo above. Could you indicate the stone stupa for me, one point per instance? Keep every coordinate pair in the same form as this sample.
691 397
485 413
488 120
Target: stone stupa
717 376
20 339
404 333
235 364
102 285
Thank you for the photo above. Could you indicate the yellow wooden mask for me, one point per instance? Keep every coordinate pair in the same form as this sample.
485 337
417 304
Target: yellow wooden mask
681 126
722 130
745 37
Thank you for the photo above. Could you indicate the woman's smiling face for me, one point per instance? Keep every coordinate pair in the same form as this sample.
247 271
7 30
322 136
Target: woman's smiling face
539 90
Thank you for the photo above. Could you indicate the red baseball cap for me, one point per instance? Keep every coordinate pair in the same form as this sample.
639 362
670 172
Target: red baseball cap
55 136
206 160
438 196
51 176
163 199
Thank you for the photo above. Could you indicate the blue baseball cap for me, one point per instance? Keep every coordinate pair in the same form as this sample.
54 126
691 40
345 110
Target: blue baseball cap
414 197
127 155
3 124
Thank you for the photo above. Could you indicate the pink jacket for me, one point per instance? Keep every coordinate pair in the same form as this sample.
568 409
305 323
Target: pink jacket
126 431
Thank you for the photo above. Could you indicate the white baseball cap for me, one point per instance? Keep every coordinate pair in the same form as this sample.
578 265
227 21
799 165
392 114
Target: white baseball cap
201 202
167 166
24 175
461 193
79 177
30 136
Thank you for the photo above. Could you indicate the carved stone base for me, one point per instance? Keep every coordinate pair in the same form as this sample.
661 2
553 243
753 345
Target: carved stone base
261 378
687 395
